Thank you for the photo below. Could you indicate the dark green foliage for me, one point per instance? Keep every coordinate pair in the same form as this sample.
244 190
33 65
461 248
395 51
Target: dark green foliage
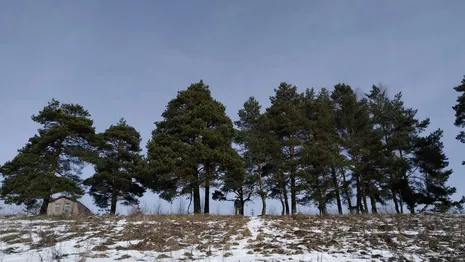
189 145
385 115
255 141
320 153
236 180
285 121
28 178
354 127
459 109
399 130
431 189
116 175
51 161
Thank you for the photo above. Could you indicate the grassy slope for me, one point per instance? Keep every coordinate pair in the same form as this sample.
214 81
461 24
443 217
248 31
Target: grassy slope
233 238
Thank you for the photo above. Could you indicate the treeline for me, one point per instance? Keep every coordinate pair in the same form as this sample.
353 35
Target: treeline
321 148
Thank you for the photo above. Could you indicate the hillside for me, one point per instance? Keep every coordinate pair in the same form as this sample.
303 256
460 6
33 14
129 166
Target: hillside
423 237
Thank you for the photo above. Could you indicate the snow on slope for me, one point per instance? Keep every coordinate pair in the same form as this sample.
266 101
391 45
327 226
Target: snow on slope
230 238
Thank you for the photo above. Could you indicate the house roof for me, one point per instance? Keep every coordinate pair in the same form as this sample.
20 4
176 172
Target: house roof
70 199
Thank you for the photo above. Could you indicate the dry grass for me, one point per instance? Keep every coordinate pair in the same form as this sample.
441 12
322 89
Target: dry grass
159 233
433 236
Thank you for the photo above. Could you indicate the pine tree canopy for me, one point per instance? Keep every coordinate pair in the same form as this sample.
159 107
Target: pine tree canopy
189 145
117 176
432 163
51 162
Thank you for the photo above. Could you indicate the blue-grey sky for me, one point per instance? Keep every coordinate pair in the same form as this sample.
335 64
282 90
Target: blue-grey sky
129 58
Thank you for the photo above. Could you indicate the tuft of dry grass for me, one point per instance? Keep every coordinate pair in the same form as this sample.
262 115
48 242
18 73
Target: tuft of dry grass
100 248
47 239
163 256
246 233
125 256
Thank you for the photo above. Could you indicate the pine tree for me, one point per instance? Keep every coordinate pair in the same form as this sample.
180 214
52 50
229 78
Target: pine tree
286 124
407 129
189 145
371 166
399 129
254 140
234 179
51 161
320 154
116 175
276 182
431 181
385 114
28 178
459 109
355 130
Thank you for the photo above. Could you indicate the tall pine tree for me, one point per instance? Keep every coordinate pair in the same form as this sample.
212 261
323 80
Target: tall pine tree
189 145
254 139
286 124
116 176
384 115
355 129
52 161
320 154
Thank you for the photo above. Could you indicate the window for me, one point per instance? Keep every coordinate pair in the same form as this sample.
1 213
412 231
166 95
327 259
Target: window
57 208
67 208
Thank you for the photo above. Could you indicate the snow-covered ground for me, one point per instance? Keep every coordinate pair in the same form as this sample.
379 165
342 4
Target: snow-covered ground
234 238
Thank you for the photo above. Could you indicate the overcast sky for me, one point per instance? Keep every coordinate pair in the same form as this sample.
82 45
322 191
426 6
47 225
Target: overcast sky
129 58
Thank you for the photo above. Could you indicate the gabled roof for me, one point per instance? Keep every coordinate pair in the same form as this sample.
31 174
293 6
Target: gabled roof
70 199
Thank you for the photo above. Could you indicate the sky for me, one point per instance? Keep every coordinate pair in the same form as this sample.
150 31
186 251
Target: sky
129 58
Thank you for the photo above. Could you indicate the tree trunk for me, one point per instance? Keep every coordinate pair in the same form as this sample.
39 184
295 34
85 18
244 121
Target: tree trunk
321 195
347 192
293 187
403 175
196 195
207 198
261 192
208 175
374 210
336 190
283 210
197 208
286 201
293 195
358 184
401 204
349 205
412 209
241 198
44 206
322 207
359 195
394 198
114 198
364 198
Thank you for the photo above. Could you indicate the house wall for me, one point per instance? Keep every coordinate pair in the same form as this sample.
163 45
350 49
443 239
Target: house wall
76 208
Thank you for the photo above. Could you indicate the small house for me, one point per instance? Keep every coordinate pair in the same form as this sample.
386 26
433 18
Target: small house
66 206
